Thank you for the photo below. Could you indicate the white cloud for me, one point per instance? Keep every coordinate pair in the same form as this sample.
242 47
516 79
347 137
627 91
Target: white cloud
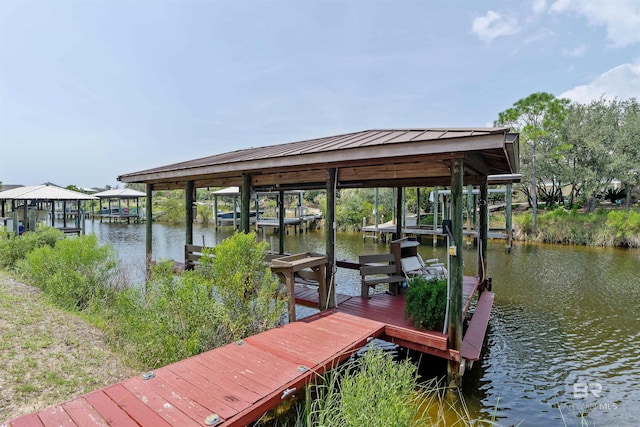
622 82
539 6
621 17
491 26
576 52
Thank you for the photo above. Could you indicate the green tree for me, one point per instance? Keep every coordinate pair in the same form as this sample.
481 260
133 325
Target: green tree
537 118
598 152
627 147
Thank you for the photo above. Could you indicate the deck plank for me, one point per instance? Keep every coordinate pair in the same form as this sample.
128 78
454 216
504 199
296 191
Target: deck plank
174 397
228 392
29 420
163 407
135 407
212 403
56 416
266 368
84 414
109 410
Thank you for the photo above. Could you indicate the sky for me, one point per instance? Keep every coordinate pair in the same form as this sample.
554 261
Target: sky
90 90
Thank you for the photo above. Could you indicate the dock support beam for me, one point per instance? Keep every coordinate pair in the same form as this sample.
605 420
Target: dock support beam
246 200
456 266
215 210
507 214
149 228
281 214
469 238
483 233
188 212
435 216
400 213
330 230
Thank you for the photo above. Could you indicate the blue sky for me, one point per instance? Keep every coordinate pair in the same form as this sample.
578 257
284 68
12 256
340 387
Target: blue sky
90 90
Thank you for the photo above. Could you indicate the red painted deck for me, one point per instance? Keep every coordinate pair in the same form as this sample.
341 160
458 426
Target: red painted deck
308 296
389 310
238 382
241 381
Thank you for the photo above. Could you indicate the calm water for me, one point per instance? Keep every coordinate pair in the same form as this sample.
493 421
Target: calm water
564 337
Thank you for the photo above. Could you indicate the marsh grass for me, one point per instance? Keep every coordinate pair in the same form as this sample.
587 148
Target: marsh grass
374 390
600 228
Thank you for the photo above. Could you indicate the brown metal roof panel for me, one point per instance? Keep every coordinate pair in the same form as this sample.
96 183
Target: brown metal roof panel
406 137
340 141
376 137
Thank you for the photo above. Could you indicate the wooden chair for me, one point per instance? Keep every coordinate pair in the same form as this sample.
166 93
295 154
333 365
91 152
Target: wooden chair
378 269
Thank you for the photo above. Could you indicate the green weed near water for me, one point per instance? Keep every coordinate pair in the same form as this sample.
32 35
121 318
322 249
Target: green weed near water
75 273
14 249
375 390
233 295
169 318
600 228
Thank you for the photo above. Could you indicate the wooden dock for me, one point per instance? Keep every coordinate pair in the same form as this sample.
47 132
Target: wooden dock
386 229
236 384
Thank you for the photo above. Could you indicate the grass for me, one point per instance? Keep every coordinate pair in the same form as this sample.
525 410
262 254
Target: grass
374 390
47 355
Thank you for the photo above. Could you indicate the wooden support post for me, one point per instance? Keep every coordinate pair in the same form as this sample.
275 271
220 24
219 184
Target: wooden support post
215 210
418 212
281 215
456 268
256 205
188 210
375 213
64 212
330 230
469 238
149 228
435 216
16 227
475 215
235 212
400 211
245 202
483 233
508 219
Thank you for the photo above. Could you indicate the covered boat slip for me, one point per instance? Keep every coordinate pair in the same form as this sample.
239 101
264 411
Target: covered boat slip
115 205
395 158
32 204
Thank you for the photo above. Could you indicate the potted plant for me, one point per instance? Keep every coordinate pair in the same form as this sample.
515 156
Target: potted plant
426 302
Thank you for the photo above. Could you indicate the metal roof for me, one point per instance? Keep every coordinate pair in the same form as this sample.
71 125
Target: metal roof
43 192
120 193
371 158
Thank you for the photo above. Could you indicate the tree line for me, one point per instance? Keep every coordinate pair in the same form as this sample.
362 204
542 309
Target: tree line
580 147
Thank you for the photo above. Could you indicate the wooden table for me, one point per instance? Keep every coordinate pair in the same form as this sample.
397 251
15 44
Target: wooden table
290 264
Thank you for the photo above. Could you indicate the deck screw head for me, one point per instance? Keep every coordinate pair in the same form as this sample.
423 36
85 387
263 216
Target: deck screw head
212 419
302 368
148 375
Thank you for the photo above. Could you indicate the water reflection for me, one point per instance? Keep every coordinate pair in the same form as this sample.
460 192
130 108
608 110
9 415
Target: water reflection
565 321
